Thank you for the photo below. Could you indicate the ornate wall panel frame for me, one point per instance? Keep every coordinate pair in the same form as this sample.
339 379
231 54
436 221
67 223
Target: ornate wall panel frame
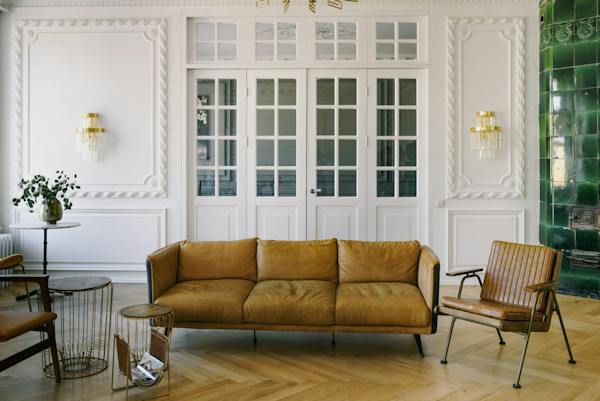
155 30
513 30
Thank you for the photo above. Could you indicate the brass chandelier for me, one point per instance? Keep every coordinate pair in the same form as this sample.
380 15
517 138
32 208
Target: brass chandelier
312 4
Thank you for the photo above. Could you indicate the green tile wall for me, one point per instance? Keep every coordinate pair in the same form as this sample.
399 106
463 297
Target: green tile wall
569 123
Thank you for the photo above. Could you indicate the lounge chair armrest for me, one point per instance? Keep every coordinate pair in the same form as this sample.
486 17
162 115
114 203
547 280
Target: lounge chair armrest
39 279
466 271
541 286
429 276
11 261
162 267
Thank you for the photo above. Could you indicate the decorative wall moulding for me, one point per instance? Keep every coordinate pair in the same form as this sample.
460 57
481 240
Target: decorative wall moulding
121 3
497 82
151 34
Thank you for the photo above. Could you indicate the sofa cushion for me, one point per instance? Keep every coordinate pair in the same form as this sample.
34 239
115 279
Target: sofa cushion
363 261
490 309
208 300
217 260
297 260
381 304
303 302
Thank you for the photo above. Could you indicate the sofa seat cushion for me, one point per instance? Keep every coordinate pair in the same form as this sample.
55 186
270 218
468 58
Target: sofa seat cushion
490 309
381 304
208 300
300 302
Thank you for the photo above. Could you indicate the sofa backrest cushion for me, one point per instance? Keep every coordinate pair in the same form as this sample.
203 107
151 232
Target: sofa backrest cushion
362 261
217 259
297 260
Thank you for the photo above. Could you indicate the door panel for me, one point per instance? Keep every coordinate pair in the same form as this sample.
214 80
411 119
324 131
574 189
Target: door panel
336 200
276 154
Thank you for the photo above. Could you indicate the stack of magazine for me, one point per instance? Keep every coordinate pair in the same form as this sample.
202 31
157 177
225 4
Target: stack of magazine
148 371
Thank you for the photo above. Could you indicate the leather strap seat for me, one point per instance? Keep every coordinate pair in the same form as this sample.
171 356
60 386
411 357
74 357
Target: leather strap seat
13 324
491 309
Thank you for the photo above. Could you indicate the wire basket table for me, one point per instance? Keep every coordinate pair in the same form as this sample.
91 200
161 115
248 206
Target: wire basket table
84 308
142 332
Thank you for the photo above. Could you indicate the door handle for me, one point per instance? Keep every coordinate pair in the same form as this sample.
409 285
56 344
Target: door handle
315 191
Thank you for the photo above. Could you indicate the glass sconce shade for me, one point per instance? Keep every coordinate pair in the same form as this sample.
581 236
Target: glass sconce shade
485 136
87 137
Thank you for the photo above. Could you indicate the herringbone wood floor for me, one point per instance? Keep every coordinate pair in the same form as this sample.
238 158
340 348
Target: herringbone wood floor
224 365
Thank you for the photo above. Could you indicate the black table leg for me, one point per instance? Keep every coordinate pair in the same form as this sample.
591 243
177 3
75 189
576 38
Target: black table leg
44 264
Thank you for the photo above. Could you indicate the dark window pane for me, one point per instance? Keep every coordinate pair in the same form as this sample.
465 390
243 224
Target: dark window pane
265 122
287 122
385 122
206 183
385 92
408 122
265 183
385 153
325 153
347 152
227 153
265 153
325 182
227 183
325 91
325 121
206 92
347 183
385 183
287 183
407 91
287 91
206 122
227 122
347 121
407 183
287 153
205 153
265 92
347 91
227 92
407 153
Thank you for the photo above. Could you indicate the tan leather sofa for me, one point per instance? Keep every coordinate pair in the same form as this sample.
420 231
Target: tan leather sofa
325 286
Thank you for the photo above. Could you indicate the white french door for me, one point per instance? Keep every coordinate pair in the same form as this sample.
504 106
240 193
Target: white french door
337 162
277 154
308 154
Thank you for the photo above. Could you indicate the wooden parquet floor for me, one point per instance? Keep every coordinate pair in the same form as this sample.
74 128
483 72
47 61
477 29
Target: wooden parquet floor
224 365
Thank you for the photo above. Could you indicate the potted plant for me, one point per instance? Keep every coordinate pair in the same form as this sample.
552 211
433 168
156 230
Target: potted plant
39 186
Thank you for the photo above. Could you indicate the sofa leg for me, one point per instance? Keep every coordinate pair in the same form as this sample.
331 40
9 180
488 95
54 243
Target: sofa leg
419 345
500 337
333 339
254 340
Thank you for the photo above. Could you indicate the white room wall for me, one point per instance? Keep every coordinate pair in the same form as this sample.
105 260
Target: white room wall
128 63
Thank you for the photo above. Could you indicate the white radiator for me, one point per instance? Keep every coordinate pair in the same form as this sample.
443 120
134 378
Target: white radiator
6 248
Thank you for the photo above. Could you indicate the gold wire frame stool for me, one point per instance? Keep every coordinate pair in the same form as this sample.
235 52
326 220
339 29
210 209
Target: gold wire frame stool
139 329
84 308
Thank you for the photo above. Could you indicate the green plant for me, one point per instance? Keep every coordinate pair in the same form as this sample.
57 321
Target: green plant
40 187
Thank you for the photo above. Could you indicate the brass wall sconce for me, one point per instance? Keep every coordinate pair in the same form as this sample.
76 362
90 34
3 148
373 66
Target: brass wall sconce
485 136
87 137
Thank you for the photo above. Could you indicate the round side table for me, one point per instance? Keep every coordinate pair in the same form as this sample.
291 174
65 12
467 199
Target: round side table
141 331
84 307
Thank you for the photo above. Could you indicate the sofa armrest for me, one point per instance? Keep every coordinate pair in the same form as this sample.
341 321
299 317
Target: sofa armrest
428 280
161 267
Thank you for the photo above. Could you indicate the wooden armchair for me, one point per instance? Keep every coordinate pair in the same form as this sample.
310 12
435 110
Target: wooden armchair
14 324
517 294
13 262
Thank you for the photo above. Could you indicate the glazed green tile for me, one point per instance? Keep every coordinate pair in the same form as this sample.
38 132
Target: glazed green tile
563 192
563 56
587 194
561 147
544 87
548 59
562 102
561 215
544 148
586 123
543 211
564 33
543 124
563 124
598 75
544 169
585 30
542 233
586 240
544 105
585 53
546 36
585 8
586 146
545 190
586 99
562 80
586 170
564 10
585 76
549 12
563 238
